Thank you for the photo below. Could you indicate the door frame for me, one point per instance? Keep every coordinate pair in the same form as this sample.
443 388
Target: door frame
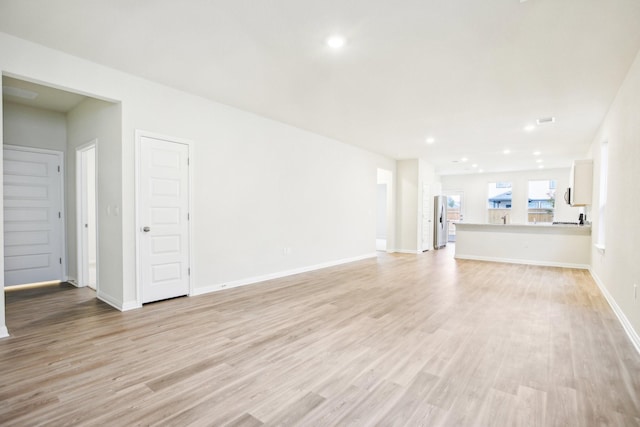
80 249
61 178
139 134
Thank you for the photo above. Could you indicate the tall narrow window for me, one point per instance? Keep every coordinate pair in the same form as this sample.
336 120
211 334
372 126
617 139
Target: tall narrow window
541 200
604 171
499 202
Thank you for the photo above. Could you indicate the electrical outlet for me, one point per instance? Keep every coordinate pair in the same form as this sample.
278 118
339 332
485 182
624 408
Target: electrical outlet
635 291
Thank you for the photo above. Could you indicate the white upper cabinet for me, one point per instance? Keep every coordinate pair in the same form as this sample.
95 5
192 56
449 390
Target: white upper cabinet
581 183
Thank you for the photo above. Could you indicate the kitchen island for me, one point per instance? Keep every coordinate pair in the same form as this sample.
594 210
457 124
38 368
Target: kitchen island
559 245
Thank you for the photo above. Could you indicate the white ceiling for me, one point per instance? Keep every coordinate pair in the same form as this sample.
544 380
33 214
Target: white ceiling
469 73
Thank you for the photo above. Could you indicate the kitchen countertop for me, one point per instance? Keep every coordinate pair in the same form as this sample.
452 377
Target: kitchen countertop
541 227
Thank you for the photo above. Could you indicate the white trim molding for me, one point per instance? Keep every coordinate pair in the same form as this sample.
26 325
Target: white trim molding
130 305
271 276
118 305
81 251
523 261
626 325
406 251
4 332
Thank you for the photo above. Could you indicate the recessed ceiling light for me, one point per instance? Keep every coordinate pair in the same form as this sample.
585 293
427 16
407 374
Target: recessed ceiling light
506 151
430 140
536 153
481 170
539 161
475 165
529 128
464 159
541 167
19 92
336 42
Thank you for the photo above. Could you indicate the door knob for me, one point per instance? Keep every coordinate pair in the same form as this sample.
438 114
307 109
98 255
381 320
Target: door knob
146 229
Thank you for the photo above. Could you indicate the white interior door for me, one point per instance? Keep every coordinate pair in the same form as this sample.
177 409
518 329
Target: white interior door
86 193
163 219
33 222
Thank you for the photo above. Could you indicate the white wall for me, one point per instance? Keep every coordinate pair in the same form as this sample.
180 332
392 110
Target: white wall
407 204
412 175
34 127
94 119
427 176
618 269
475 189
259 185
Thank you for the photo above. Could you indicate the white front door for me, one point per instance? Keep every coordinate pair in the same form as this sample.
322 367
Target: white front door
33 223
163 218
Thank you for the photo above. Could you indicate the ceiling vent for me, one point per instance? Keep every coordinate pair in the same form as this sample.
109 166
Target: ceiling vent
545 120
19 92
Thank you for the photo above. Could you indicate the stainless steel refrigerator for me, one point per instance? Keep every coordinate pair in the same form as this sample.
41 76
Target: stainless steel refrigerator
440 232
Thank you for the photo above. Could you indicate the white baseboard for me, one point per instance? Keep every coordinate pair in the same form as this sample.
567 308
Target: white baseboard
407 251
130 305
119 305
626 325
524 261
257 279
4 332
110 300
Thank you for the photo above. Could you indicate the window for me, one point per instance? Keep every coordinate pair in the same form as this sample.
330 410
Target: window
541 201
499 202
602 202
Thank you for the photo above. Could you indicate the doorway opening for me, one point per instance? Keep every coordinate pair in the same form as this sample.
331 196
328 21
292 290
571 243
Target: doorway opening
383 207
86 211
44 119
455 213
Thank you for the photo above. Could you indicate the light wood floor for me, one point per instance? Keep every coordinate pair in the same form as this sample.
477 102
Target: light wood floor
398 340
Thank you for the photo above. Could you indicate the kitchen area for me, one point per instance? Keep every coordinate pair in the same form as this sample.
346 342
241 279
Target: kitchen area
537 218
